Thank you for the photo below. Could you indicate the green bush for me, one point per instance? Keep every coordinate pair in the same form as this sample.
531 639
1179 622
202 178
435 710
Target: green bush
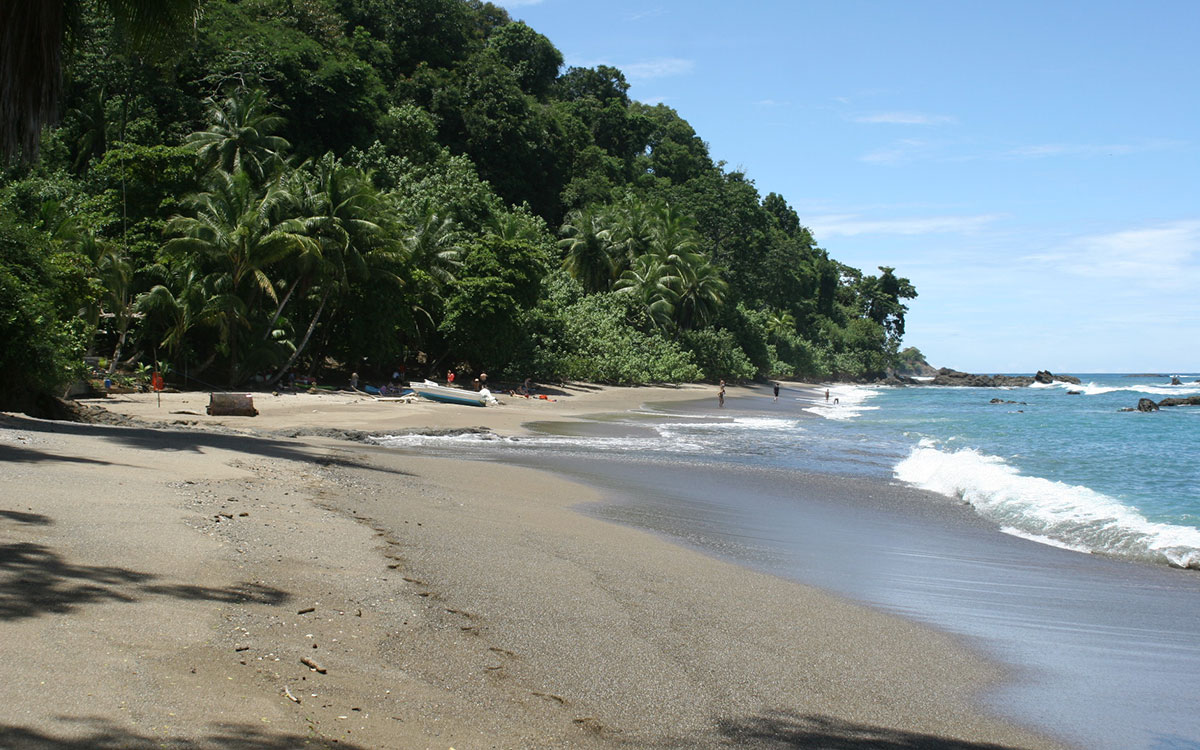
718 355
42 348
603 338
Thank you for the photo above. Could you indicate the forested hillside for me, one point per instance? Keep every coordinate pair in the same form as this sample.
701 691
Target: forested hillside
319 186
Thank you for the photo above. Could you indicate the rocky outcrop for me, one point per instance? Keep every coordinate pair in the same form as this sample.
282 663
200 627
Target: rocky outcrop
946 376
1189 401
1045 376
1145 404
1004 401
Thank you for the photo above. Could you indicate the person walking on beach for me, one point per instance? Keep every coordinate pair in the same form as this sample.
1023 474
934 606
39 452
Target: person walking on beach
721 396
776 392
826 394
449 377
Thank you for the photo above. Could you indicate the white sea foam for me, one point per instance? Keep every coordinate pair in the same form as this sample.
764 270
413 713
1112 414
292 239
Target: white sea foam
1093 389
565 442
1072 516
845 402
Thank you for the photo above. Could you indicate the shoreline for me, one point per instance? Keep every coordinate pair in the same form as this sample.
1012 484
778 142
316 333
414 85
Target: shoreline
425 575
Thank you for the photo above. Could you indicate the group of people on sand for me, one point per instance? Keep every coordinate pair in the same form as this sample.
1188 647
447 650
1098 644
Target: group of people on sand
774 390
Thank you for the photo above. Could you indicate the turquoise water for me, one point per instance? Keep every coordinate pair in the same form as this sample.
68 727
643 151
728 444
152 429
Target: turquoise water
1071 470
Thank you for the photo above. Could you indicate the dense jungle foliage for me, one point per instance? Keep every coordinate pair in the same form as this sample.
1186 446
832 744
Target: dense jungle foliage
320 186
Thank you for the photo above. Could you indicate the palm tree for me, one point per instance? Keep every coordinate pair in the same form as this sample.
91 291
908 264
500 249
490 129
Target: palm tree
648 280
340 210
231 229
588 244
432 244
32 36
699 289
631 228
240 136
176 310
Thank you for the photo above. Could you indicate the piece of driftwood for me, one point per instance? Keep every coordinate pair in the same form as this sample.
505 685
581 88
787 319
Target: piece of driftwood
312 664
231 405
288 692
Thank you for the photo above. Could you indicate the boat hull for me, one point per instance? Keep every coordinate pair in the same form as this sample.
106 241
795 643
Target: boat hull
445 395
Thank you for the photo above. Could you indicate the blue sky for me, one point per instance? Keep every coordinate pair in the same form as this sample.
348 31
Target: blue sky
1032 167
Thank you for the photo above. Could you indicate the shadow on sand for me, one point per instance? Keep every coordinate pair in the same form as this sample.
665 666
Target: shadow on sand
165 438
780 730
103 735
34 580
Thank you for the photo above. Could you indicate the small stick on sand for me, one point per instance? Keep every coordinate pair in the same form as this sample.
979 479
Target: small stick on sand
312 664
306 610
288 692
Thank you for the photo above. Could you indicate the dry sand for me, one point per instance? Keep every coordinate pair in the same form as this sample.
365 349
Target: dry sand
159 588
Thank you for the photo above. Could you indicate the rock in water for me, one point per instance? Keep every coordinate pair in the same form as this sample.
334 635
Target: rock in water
1189 401
1145 404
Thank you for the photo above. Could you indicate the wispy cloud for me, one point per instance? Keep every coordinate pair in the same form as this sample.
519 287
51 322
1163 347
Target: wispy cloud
647 13
1164 255
849 225
1047 150
658 68
905 118
900 152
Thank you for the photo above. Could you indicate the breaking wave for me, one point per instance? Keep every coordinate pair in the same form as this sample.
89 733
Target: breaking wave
1070 516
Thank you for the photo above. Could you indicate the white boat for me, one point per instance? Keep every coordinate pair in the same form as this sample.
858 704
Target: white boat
450 395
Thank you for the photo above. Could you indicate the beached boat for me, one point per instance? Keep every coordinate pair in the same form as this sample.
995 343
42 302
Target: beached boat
450 395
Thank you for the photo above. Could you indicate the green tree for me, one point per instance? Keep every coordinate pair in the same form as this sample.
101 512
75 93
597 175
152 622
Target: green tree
240 137
231 230
588 249
530 56
32 39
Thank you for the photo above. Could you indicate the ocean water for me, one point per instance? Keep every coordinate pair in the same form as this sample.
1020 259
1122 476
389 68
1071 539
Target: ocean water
1069 470
1058 534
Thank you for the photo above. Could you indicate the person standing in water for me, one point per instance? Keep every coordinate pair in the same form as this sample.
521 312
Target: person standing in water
721 396
776 392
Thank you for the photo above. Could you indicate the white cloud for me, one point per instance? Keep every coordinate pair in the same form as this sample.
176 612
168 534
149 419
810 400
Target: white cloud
849 225
1046 150
905 118
1164 256
658 68
900 152
644 70
648 13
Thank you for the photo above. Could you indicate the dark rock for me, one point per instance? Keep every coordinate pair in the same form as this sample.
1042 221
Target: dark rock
1004 401
1189 401
946 376
1074 393
1175 380
1045 376
1145 404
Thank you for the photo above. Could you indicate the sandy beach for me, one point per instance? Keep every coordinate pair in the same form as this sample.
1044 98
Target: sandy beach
188 581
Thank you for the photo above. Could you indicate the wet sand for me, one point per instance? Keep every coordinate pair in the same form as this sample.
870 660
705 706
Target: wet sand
186 587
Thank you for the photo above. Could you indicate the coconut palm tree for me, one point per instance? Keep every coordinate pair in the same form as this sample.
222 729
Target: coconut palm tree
649 281
589 252
699 290
340 211
176 308
240 136
432 244
231 230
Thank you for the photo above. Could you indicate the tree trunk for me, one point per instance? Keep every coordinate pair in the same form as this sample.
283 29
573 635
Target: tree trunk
312 326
